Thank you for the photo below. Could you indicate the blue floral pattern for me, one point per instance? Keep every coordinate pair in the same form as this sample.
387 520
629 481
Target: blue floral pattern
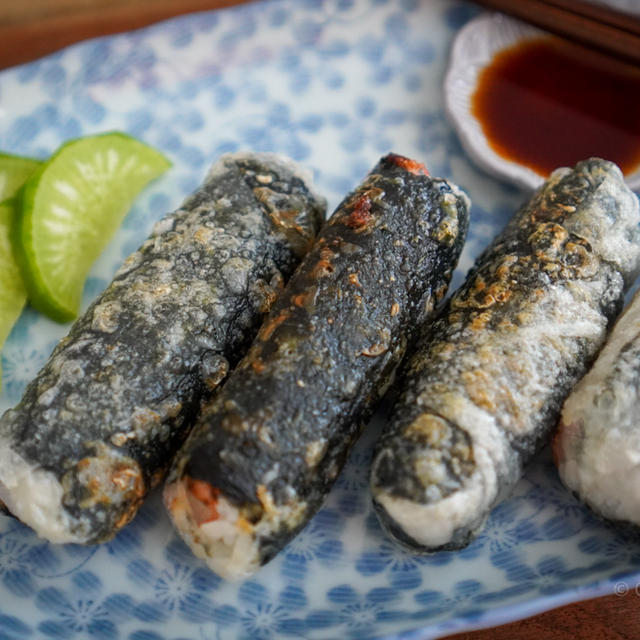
334 84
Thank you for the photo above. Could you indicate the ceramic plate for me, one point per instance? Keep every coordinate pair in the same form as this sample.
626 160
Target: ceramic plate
335 84
474 48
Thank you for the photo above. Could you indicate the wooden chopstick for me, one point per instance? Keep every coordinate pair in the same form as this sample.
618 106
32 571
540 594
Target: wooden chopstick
596 28
600 13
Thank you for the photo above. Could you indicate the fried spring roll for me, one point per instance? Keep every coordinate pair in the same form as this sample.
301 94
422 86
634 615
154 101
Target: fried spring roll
597 445
98 426
483 391
266 451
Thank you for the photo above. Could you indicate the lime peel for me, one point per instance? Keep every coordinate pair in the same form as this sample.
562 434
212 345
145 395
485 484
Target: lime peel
14 170
13 294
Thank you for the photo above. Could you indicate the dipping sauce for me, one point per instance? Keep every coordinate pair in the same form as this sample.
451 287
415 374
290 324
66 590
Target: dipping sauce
546 103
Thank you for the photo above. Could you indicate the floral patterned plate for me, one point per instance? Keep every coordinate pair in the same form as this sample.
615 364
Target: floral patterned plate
335 84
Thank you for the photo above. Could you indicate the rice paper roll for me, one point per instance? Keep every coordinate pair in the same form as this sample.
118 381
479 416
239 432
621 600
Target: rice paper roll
483 391
597 444
266 451
98 426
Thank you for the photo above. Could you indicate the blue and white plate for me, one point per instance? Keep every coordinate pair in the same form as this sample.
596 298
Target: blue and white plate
334 84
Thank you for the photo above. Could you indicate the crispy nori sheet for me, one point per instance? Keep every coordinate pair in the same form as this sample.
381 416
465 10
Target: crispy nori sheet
119 393
485 387
274 439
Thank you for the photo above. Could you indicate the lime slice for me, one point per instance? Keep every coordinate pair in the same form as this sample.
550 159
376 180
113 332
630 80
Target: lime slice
71 206
14 170
13 294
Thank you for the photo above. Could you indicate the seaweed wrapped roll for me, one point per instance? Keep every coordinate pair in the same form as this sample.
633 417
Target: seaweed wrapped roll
97 427
483 391
267 449
597 444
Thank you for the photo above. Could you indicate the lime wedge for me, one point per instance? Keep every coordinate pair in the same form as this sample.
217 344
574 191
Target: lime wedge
13 294
14 170
70 208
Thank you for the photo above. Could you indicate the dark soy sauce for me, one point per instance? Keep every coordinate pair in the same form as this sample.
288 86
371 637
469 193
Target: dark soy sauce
546 103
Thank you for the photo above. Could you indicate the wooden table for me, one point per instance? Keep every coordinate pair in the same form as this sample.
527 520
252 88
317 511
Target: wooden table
608 618
32 28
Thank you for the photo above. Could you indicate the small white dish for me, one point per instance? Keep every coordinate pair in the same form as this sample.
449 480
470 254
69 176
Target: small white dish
473 49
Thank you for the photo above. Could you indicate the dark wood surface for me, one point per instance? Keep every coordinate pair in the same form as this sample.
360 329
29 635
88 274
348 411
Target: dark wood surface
32 28
608 618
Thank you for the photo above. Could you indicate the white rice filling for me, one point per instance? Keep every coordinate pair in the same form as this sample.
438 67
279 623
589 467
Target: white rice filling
227 548
34 496
435 524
